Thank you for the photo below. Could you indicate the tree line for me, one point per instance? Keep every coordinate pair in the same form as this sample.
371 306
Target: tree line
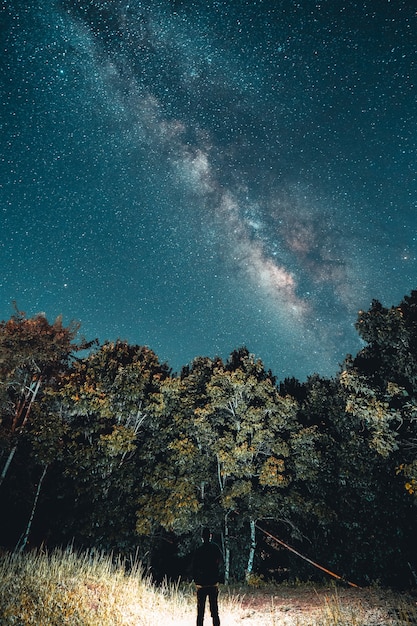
103 446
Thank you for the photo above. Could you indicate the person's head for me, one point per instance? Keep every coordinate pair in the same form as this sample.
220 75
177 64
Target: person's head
206 535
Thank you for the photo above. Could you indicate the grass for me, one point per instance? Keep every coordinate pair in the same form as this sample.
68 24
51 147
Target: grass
64 588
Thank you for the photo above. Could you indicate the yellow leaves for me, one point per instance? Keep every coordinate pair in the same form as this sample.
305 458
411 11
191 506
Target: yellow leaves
90 398
395 390
239 489
272 473
185 450
119 441
374 410
171 506
201 415
410 471
351 380
236 460
183 497
369 409
411 487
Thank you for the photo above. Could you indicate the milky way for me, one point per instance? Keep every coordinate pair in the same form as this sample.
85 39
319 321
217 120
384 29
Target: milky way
198 176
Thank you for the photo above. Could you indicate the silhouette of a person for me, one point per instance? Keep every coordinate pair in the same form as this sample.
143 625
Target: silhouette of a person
206 574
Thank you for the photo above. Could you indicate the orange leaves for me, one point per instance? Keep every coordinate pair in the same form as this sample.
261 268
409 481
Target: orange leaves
409 471
411 487
272 473
35 345
120 441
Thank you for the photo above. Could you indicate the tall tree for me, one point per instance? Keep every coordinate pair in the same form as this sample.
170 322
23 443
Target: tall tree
176 462
33 353
381 397
382 380
33 356
252 427
105 399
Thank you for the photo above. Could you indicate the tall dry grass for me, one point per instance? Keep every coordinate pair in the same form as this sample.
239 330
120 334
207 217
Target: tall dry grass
84 590
89 589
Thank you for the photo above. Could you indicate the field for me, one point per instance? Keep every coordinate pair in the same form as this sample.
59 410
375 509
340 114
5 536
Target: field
63 588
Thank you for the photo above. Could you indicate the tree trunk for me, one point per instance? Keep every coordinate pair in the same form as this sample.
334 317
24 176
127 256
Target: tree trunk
7 464
226 543
24 406
21 544
226 550
249 568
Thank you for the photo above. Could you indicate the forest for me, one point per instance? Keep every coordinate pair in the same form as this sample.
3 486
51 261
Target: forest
103 447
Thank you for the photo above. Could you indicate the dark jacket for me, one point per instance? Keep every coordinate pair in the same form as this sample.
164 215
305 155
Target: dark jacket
206 565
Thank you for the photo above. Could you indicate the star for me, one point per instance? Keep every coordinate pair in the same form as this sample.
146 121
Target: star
199 176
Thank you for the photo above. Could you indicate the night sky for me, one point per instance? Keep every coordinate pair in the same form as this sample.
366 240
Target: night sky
198 176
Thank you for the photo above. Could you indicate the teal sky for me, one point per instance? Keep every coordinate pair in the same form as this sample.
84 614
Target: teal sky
198 176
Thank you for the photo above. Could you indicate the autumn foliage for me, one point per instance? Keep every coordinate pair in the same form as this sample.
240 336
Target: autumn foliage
102 446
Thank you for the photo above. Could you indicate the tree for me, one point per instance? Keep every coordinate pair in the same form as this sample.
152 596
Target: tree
380 385
382 380
33 355
176 467
105 398
251 426
226 446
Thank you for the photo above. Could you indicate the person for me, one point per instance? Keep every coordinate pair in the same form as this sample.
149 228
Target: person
206 574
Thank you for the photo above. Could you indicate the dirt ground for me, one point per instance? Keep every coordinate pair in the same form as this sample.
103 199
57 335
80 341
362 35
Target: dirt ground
305 605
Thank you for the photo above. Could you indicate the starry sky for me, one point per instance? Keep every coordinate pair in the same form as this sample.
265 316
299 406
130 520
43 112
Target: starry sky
200 175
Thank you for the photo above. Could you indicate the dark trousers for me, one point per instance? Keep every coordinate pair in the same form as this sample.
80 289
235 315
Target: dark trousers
212 593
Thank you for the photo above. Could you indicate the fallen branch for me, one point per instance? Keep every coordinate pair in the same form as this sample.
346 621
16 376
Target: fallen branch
285 545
